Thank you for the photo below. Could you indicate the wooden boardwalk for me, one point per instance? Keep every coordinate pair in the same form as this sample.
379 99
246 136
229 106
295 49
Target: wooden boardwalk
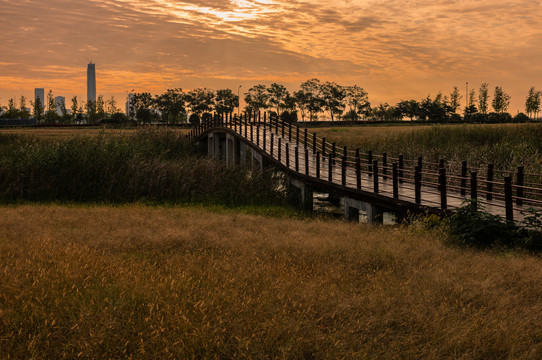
409 183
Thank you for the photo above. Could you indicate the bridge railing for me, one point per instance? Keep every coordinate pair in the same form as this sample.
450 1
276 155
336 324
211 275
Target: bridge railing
436 183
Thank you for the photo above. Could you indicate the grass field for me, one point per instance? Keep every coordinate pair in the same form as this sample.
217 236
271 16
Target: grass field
168 282
62 133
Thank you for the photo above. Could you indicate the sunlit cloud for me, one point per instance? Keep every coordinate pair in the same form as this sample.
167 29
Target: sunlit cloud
394 48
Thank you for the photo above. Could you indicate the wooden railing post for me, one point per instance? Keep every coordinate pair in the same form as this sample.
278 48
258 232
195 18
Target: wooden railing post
305 133
442 186
441 163
418 184
282 124
323 147
489 185
318 164
264 117
290 132
287 148
279 149
330 169
384 166
401 168
297 135
463 178
370 162
272 144
375 176
258 135
296 153
306 161
264 134
358 170
314 143
474 187
420 163
246 127
508 198
251 132
395 180
333 152
520 182
343 171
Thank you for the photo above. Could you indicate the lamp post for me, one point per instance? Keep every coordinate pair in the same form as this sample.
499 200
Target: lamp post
238 102
466 94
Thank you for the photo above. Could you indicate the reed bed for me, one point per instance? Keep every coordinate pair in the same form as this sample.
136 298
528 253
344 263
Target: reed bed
149 164
153 282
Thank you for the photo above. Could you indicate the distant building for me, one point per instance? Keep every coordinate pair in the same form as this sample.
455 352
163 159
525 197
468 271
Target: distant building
40 93
59 100
91 82
128 100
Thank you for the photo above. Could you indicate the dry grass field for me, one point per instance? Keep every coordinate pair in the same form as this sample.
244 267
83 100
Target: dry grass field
168 282
63 133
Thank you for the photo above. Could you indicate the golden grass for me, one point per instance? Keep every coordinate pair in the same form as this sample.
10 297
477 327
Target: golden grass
153 282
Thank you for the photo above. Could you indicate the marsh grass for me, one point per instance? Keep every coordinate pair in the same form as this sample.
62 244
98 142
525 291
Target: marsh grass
149 164
507 146
153 282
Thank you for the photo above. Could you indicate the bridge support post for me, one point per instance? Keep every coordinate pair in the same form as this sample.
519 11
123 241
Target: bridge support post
257 160
300 193
354 208
230 150
242 153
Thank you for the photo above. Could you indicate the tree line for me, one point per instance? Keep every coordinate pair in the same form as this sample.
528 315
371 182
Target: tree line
314 100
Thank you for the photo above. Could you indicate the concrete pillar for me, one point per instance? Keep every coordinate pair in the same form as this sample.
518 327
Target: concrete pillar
300 193
210 145
257 160
354 208
229 149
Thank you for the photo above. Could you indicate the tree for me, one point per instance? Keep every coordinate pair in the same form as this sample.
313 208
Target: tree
226 101
471 108
312 89
277 96
51 107
90 107
22 106
256 98
532 103
333 96
75 109
12 111
455 99
111 106
172 103
301 101
501 100
100 107
38 109
409 108
142 103
483 98
357 99
201 100
63 111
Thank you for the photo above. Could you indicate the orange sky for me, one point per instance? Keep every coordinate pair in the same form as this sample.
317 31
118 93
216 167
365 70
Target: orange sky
395 49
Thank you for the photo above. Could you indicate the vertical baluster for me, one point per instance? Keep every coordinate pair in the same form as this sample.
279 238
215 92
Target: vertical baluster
463 178
264 134
442 186
323 147
296 153
305 133
384 166
375 176
330 169
287 148
418 184
395 176
272 143
358 170
474 187
318 164
314 143
297 135
279 149
489 185
520 182
343 171
508 198
306 161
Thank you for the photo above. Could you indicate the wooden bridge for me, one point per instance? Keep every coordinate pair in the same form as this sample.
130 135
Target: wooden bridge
370 184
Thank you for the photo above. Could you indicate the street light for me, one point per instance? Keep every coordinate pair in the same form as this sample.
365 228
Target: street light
238 102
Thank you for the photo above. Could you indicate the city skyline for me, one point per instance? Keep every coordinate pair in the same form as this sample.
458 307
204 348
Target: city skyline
395 49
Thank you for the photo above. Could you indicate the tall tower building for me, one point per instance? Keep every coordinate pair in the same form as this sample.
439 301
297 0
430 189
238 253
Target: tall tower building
40 93
59 100
91 82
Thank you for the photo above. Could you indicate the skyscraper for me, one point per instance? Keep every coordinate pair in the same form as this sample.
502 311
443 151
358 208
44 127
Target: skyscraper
60 101
40 93
91 82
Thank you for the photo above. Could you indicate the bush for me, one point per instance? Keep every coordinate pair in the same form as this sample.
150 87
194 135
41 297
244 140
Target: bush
472 226
521 118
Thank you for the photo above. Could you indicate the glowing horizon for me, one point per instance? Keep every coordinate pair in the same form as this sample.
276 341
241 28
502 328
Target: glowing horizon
396 49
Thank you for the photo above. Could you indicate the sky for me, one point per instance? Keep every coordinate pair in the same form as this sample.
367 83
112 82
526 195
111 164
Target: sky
394 49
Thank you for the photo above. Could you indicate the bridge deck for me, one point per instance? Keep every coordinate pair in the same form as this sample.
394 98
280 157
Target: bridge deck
267 140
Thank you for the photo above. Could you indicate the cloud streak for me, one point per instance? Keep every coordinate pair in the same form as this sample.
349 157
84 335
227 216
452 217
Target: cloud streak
394 48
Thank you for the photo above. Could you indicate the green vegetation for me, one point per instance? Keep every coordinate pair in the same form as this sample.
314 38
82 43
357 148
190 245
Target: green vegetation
149 164
506 146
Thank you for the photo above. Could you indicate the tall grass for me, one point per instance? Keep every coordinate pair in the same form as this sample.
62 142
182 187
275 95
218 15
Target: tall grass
507 146
154 283
150 164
